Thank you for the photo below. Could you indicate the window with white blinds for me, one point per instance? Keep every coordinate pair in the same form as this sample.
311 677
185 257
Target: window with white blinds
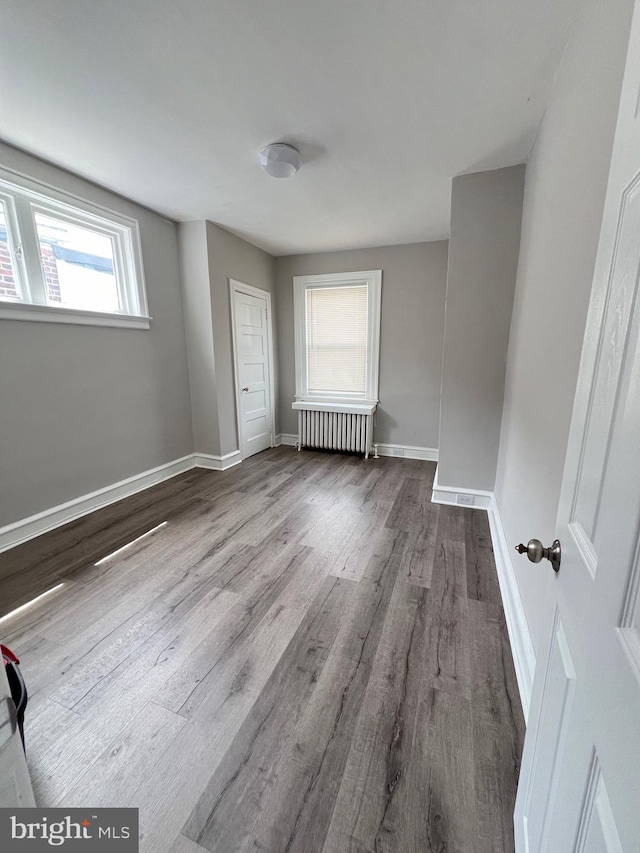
337 339
337 322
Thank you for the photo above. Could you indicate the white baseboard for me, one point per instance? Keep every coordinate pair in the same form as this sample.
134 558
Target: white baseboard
42 522
286 438
450 495
524 658
217 463
407 451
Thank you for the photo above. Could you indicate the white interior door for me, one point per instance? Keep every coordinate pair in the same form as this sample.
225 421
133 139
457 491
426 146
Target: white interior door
579 787
252 349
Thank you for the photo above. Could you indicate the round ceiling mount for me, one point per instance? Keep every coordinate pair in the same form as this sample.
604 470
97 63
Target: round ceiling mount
280 160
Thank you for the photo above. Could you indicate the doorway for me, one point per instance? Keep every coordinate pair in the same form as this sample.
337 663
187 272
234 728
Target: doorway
253 367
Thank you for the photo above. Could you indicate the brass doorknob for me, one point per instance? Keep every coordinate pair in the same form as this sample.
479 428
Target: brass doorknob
536 551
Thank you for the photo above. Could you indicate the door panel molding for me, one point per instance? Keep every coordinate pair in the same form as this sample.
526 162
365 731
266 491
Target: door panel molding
597 824
611 355
555 707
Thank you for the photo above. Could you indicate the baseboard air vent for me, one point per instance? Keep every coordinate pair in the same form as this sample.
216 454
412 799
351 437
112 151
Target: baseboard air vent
465 500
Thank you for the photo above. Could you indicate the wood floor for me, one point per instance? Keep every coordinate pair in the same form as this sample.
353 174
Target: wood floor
308 656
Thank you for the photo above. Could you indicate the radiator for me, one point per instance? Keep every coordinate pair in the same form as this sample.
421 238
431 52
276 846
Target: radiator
335 430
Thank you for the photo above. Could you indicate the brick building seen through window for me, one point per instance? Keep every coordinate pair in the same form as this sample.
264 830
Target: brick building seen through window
58 263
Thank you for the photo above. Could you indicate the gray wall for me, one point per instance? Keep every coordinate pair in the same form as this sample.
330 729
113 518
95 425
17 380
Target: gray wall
196 292
232 257
82 407
564 195
486 210
413 288
210 256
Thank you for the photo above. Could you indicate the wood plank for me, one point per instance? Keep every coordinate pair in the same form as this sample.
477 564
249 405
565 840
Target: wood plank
187 689
384 479
245 773
305 781
425 800
391 758
421 549
153 598
413 511
102 660
392 713
199 748
449 815
498 728
482 580
419 469
163 656
348 535
45 722
106 710
182 844
115 776
258 528
412 505
447 664
366 538
292 528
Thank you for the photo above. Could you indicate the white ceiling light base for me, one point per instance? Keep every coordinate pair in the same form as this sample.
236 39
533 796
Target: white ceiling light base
280 160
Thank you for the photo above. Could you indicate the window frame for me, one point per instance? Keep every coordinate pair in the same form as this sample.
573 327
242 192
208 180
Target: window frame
23 198
301 283
15 250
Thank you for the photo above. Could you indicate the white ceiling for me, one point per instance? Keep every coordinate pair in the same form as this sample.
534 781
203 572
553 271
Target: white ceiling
169 101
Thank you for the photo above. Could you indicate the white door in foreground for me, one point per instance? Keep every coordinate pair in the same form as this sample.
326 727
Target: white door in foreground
579 787
253 364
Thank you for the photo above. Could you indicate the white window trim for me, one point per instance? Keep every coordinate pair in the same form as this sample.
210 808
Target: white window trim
70 316
36 196
373 280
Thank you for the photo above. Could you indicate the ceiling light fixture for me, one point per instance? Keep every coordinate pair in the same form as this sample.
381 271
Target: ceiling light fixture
280 160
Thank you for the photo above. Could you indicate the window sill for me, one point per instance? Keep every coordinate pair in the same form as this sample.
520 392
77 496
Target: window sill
49 314
354 407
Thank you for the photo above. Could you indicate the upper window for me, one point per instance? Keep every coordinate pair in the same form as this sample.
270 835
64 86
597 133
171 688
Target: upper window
337 327
67 260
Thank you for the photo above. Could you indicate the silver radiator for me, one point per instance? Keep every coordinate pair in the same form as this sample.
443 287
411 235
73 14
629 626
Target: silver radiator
335 431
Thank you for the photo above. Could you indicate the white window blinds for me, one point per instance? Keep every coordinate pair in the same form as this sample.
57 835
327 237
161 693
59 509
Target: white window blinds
336 326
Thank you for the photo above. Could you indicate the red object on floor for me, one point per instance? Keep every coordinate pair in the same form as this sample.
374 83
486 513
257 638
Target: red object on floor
8 655
16 685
